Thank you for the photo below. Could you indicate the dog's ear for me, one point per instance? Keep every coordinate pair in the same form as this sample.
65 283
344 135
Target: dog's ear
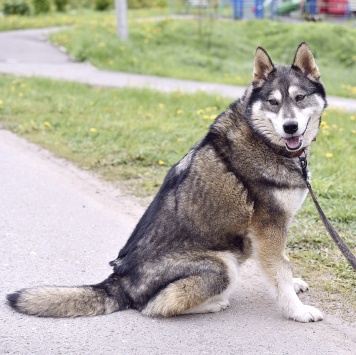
263 66
305 61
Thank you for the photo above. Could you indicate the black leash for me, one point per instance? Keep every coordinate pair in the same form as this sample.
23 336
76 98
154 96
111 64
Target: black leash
337 239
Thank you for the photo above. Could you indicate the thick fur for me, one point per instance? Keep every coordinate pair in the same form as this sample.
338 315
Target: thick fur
231 197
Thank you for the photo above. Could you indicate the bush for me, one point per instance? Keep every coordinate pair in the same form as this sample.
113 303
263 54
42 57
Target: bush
16 7
41 6
61 5
102 5
140 4
81 4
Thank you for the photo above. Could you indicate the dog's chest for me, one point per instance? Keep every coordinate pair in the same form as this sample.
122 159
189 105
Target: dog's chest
290 200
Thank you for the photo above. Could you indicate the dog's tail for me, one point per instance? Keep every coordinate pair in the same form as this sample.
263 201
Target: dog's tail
104 298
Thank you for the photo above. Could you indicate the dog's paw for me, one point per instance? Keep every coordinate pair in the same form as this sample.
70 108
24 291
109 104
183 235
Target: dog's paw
218 306
300 285
307 314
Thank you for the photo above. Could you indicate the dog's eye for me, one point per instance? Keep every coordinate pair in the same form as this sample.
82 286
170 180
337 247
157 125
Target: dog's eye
273 102
299 98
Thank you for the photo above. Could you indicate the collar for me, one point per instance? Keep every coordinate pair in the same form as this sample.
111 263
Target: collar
297 153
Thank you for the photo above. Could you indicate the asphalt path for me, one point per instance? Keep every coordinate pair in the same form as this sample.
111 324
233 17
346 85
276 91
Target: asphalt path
28 53
60 225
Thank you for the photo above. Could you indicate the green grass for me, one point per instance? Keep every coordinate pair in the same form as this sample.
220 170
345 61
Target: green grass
215 52
133 136
73 17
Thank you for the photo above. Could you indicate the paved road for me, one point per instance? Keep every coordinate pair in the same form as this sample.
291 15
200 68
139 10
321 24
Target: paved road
60 225
28 53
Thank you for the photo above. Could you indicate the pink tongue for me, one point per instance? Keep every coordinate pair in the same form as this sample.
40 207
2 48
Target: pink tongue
293 142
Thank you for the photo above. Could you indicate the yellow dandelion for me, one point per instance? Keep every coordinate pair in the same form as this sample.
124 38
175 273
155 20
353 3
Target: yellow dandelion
200 111
341 129
353 131
179 111
323 124
329 155
161 106
206 117
47 124
352 117
1 102
20 94
208 109
93 130
161 162
180 139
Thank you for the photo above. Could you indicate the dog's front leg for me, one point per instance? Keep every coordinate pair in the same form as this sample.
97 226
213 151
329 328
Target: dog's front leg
269 247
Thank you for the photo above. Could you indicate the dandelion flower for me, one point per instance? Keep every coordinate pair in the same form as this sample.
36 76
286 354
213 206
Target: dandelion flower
161 162
161 106
1 102
200 111
329 155
179 111
93 130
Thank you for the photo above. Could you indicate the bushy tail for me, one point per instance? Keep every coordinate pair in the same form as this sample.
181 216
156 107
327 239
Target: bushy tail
103 298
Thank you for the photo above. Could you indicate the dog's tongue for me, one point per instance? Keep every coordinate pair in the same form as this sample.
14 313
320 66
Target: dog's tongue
293 142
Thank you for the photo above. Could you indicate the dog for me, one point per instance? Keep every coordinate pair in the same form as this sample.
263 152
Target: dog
232 197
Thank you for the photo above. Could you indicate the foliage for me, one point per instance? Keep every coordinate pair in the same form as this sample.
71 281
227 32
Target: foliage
41 6
81 4
103 5
139 4
61 5
16 7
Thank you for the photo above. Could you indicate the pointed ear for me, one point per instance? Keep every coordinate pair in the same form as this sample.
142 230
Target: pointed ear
305 61
263 66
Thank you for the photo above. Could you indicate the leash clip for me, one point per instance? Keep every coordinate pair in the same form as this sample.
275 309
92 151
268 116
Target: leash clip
304 165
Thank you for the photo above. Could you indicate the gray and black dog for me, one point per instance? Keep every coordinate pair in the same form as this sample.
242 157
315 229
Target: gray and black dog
233 196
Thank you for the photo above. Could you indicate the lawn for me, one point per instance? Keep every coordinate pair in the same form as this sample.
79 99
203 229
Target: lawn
133 136
213 51
220 51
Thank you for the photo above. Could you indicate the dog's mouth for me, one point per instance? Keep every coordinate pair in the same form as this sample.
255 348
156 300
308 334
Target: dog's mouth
293 143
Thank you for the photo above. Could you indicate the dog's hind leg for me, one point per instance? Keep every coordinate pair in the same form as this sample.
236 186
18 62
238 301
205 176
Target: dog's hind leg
203 292
300 285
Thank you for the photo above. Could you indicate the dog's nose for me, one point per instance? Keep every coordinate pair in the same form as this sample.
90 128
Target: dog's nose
290 127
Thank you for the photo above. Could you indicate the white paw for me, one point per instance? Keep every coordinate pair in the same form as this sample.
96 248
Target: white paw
307 314
218 306
300 285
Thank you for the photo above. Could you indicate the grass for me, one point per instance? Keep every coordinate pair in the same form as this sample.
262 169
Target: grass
133 136
213 51
73 17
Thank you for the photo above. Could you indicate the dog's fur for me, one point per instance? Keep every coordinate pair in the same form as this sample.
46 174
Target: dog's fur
231 197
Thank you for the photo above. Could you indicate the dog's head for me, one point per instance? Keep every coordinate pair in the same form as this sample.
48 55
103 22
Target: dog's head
286 102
